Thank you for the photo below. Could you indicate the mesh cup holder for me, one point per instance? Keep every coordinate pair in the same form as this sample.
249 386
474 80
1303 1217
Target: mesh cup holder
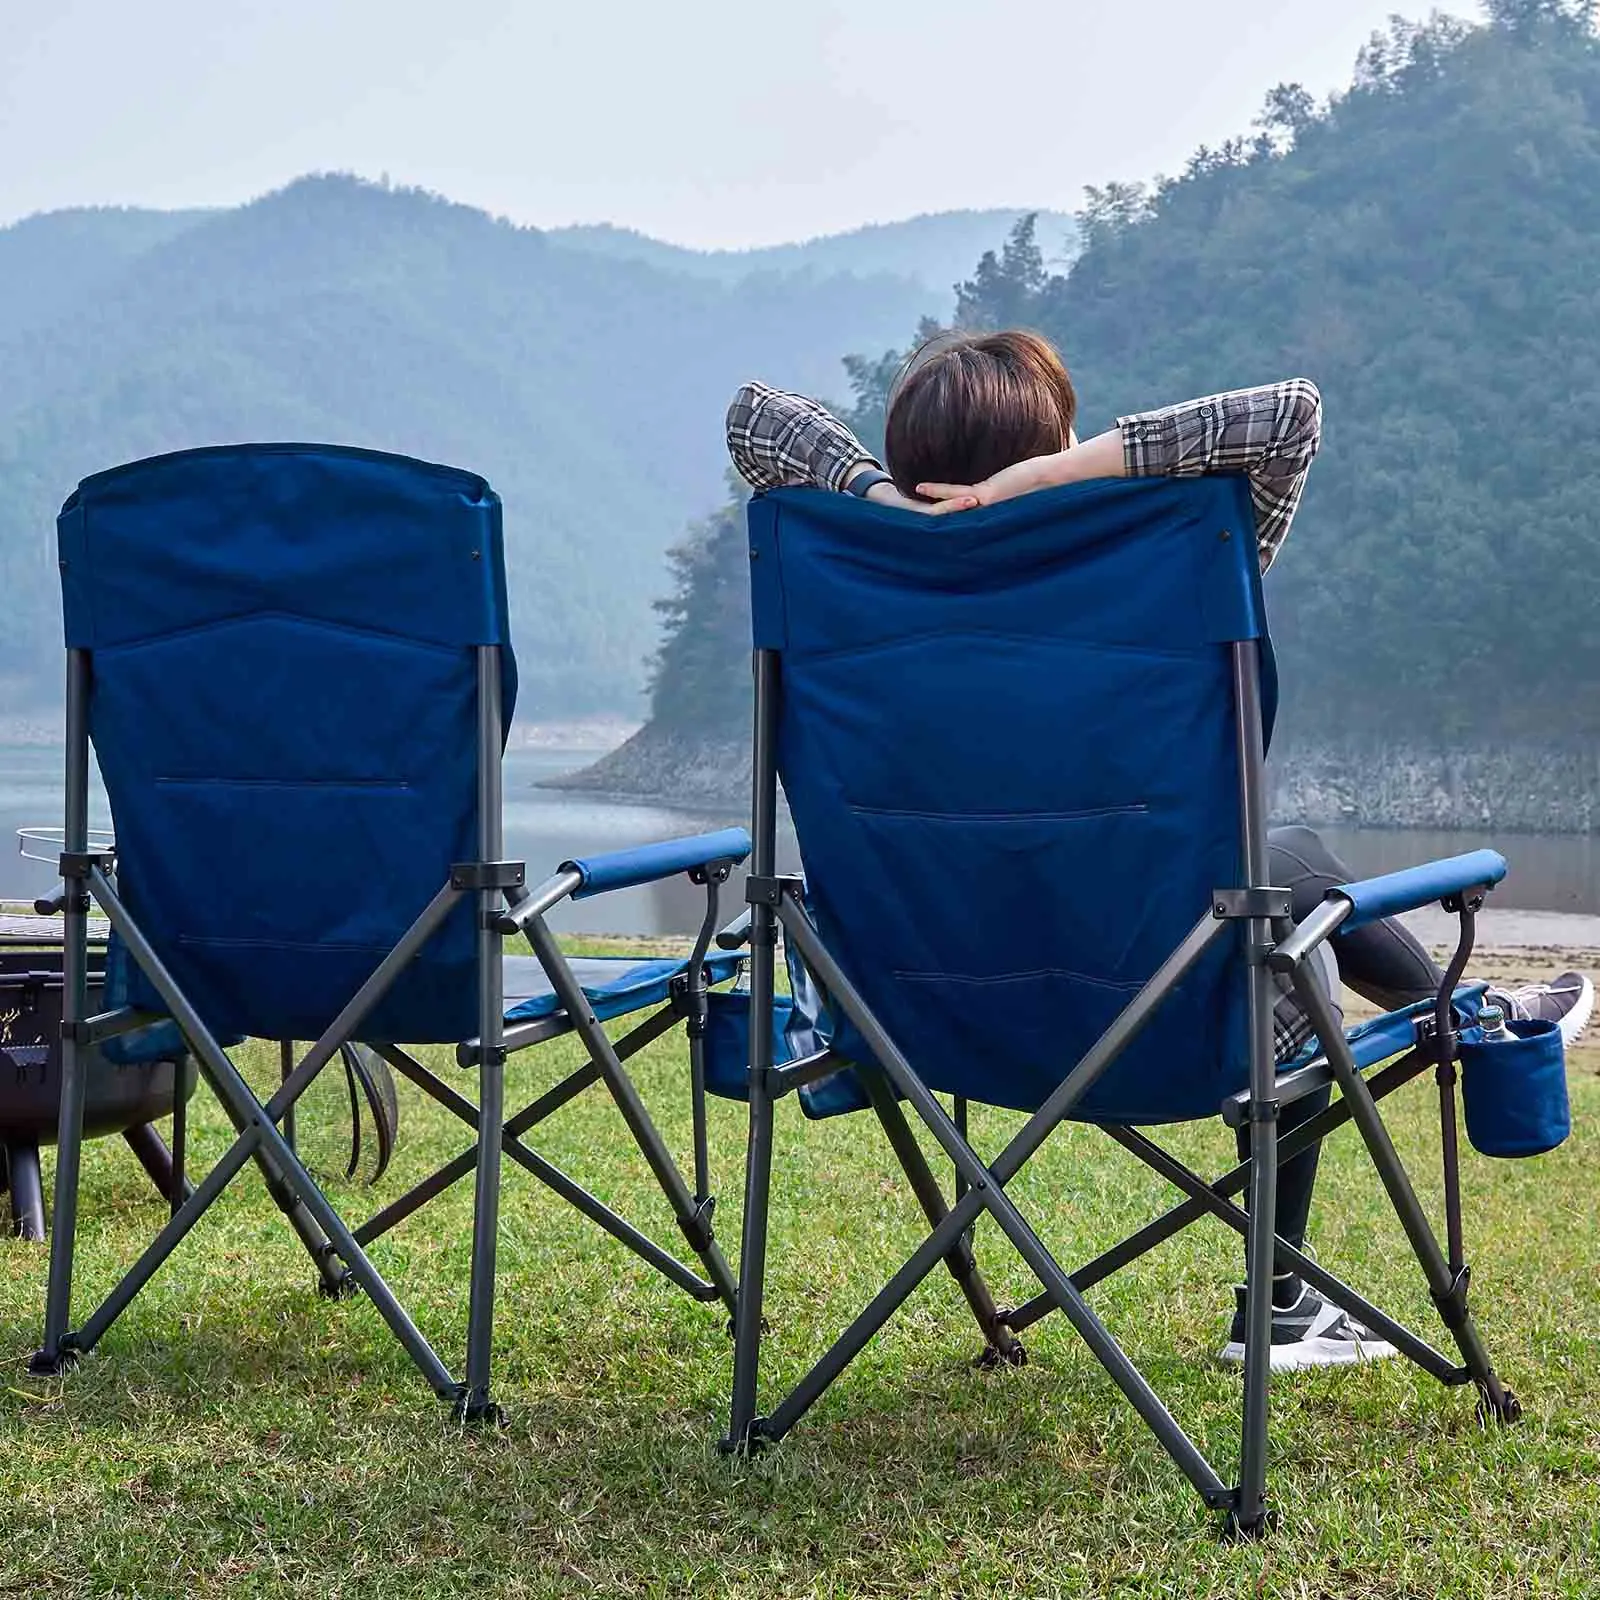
1514 1091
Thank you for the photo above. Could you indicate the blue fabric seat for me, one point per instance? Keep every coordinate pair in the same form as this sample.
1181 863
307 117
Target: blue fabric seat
1023 750
293 663
614 986
1381 1038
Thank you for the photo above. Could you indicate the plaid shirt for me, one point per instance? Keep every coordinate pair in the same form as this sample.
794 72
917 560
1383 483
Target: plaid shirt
1270 434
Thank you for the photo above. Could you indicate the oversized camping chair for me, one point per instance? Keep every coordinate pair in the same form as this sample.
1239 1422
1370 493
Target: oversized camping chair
1023 752
293 665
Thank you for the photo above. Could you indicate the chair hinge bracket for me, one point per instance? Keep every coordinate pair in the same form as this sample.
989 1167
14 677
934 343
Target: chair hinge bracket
472 875
765 891
1439 1048
1452 1303
76 865
697 1225
690 1003
79 1033
1229 905
717 871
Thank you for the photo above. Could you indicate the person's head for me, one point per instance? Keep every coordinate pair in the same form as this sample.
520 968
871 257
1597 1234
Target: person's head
966 405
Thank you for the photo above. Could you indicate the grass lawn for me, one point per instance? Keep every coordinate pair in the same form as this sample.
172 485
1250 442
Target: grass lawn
234 1434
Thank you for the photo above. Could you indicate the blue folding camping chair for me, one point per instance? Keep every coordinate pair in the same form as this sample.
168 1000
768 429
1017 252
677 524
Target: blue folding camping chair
293 664
1023 750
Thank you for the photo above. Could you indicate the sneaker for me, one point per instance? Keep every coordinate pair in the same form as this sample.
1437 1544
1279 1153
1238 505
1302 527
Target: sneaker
1567 1001
1313 1332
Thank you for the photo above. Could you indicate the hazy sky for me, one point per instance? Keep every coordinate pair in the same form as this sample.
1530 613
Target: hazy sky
705 122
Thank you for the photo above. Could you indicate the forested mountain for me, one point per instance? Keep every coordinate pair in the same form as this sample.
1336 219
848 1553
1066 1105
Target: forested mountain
933 251
1426 247
52 263
589 388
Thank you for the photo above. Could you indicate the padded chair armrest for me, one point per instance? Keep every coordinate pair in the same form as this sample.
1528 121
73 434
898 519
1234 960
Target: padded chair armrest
648 863
1371 899
737 932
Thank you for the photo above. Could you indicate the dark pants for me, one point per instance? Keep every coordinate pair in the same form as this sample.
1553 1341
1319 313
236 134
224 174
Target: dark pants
1380 961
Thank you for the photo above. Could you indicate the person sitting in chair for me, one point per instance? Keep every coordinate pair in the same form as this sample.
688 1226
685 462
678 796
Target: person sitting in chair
974 419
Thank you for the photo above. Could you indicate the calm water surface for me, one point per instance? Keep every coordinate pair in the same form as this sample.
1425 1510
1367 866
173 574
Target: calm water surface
1549 873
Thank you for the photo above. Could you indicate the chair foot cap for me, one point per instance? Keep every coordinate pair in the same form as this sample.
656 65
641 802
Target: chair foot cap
1013 1354
345 1287
755 1440
1507 1411
1241 1530
478 1411
52 1363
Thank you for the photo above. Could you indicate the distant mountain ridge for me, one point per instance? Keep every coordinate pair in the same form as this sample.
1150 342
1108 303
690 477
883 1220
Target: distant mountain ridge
935 249
51 262
587 385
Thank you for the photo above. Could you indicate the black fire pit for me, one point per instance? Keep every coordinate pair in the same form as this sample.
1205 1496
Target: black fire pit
125 1099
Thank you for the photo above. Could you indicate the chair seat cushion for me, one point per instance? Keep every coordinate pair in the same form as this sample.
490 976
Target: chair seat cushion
613 985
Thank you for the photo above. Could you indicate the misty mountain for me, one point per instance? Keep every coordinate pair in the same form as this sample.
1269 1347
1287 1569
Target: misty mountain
588 386
933 251
51 263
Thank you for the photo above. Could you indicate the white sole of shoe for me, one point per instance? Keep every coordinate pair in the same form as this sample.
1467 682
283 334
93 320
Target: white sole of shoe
1312 1353
1577 1019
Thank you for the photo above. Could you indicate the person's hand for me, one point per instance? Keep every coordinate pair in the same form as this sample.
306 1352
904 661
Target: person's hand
1099 457
885 494
1021 478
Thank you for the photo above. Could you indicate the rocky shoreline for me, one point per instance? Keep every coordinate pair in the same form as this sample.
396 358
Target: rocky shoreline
1521 789
668 768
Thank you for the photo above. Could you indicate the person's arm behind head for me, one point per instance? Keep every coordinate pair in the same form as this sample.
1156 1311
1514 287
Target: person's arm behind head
778 439
1271 434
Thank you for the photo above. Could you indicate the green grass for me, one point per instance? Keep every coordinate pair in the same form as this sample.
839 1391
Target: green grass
234 1434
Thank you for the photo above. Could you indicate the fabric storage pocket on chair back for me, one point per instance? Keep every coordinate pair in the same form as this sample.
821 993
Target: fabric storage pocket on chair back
1515 1090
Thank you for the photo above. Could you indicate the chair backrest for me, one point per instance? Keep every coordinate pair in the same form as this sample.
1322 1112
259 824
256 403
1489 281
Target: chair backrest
283 653
1007 740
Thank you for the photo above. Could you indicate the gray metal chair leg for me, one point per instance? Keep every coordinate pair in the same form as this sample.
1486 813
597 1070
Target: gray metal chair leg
744 1427
1248 1516
57 1350
475 1404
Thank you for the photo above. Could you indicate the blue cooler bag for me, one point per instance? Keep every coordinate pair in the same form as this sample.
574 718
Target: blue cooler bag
1514 1091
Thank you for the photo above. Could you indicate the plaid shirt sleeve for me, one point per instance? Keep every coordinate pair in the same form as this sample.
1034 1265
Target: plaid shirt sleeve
778 438
1270 434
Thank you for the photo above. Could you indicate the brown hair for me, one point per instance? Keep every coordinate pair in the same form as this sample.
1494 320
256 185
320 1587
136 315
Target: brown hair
966 405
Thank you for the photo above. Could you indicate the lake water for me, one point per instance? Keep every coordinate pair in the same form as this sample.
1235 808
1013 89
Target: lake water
1549 873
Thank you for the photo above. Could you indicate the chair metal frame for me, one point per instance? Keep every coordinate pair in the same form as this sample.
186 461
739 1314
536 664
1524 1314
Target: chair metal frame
692 1210
1271 943
504 906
